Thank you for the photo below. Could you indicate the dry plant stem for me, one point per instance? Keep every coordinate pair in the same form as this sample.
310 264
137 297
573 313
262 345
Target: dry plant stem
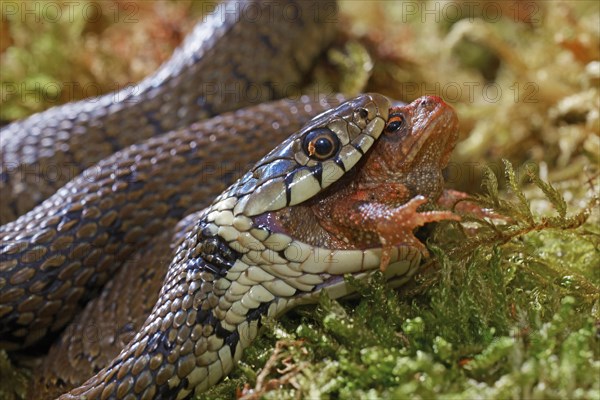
288 373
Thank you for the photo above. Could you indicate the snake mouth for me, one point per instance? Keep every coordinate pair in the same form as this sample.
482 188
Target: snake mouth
305 270
270 222
331 260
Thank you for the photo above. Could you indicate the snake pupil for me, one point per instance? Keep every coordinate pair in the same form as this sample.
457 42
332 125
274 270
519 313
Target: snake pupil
321 143
323 146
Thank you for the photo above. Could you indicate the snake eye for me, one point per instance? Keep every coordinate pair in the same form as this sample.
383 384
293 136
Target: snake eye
395 123
321 144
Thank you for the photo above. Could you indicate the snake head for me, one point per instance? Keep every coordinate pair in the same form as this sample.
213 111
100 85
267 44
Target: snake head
313 158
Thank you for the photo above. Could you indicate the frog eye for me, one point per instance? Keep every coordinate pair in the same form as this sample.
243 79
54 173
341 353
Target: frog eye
395 123
321 144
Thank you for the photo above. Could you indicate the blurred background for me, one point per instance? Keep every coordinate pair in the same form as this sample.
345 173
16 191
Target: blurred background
523 75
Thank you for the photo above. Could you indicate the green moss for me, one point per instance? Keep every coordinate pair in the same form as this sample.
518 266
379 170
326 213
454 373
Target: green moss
13 381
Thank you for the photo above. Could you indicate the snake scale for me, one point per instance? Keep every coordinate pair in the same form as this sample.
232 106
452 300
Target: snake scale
339 195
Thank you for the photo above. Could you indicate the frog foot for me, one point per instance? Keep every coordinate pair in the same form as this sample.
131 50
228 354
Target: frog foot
398 229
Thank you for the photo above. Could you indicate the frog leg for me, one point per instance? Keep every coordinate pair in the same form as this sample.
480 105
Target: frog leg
365 212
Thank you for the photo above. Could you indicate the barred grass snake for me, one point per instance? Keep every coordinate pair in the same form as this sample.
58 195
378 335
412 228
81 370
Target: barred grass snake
337 196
